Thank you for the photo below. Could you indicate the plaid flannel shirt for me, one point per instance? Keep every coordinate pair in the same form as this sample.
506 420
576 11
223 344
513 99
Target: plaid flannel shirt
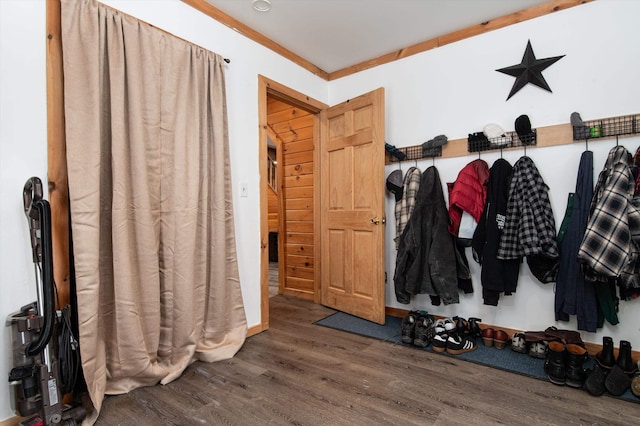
529 227
405 206
609 248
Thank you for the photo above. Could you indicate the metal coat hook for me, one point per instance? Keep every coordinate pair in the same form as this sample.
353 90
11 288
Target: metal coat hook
586 144
616 140
500 152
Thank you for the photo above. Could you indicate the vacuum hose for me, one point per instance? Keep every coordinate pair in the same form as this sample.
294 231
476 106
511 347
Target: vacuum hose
41 215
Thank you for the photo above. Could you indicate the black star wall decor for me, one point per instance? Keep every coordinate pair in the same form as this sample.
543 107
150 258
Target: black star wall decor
529 70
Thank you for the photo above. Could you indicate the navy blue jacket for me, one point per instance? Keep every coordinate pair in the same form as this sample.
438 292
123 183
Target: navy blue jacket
574 295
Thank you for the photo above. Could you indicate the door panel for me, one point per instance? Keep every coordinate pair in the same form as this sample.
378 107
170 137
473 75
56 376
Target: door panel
352 206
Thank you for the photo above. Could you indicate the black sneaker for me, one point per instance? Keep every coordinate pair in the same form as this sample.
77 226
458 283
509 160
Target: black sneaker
424 331
408 327
439 341
458 344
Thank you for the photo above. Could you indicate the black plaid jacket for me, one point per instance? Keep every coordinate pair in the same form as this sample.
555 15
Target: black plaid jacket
529 227
609 248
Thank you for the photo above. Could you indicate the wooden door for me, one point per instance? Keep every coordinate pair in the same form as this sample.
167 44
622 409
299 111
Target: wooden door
352 206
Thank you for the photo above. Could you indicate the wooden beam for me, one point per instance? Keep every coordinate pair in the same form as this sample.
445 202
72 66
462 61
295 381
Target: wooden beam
557 134
57 151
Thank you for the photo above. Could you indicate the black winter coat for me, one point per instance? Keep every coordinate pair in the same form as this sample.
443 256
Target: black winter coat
426 260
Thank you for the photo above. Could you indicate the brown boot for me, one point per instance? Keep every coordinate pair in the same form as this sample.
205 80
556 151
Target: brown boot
567 336
537 336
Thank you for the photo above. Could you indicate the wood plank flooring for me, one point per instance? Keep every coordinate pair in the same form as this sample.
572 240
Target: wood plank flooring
303 374
273 279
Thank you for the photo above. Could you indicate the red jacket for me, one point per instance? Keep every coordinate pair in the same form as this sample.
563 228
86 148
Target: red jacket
468 193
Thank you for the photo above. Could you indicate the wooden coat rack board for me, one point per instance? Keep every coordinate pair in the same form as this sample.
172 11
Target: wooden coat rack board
559 134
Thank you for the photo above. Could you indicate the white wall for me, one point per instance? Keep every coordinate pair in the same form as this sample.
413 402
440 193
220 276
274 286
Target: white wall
455 90
23 153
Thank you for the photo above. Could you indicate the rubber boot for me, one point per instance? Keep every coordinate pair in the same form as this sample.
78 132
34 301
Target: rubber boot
575 373
619 378
605 357
624 358
555 364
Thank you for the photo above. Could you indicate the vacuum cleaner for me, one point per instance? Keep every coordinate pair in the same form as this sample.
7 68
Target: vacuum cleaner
46 354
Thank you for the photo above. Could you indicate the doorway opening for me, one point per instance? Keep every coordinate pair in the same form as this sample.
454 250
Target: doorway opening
330 192
289 137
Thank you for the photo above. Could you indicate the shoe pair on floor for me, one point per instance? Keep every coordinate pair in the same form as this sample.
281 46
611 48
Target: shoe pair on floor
421 329
611 374
417 329
447 338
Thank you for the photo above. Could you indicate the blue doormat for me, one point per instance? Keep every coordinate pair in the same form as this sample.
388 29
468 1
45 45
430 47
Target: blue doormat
503 359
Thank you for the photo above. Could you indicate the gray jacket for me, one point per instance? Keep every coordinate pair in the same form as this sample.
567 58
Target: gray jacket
426 260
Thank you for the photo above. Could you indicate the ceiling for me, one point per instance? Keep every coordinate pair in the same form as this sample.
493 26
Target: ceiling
337 34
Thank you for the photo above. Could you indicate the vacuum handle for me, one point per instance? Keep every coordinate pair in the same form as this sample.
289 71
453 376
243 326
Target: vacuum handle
31 195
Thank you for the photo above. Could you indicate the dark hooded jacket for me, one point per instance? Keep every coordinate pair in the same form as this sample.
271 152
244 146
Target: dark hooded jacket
426 260
497 275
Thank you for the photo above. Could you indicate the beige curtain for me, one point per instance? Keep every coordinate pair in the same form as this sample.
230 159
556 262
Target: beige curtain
150 198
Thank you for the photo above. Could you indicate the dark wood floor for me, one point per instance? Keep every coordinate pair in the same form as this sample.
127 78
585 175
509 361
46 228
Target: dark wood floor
273 278
303 374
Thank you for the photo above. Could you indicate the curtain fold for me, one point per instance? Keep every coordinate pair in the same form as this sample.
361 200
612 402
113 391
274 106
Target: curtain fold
150 199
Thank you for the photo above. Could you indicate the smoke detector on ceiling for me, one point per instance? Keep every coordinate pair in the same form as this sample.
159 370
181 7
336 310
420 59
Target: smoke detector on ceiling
262 5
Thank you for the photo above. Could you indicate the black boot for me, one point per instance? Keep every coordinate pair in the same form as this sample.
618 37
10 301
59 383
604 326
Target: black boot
575 373
618 379
555 364
605 357
624 358
474 328
462 325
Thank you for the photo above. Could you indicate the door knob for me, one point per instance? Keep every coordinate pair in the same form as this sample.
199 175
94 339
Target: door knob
376 220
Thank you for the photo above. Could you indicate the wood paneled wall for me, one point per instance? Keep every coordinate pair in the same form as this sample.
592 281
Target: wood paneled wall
273 208
294 129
